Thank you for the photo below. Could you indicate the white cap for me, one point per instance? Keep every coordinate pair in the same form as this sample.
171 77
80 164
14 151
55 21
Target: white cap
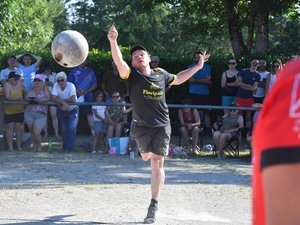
62 75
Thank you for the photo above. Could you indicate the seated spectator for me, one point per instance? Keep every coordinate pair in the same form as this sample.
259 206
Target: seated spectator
36 114
50 79
64 93
189 126
14 113
228 128
100 125
115 117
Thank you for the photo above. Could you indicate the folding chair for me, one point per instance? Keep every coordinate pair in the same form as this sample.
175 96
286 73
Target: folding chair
232 146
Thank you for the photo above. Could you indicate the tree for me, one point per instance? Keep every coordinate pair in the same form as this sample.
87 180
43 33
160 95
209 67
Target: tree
254 17
285 35
161 26
223 27
27 24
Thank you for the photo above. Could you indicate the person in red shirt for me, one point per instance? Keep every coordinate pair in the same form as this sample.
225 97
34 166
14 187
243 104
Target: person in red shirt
276 143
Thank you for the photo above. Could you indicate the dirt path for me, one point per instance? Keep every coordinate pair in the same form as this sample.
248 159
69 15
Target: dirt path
83 188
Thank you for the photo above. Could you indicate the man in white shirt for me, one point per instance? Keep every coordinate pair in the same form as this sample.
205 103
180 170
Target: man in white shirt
260 93
63 93
12 62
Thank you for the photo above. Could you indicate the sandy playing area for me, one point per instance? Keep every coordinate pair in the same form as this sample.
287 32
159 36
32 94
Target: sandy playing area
84 188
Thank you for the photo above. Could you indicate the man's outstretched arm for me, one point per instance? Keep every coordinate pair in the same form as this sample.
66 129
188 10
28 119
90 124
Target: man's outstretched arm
122 66
186 74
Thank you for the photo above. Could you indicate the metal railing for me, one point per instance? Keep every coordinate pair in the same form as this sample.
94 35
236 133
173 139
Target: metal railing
3 101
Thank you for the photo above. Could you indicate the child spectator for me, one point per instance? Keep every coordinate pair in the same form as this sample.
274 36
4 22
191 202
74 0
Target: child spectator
100 125
116 119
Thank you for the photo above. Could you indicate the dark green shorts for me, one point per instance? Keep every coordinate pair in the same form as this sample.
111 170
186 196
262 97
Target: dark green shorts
152 139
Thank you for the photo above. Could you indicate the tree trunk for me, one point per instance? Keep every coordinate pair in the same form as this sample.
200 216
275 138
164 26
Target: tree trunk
262 33
261 10
251 27
235 31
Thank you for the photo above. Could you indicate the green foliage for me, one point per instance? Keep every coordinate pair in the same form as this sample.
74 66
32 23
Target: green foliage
285 35
100 61
176 27
27 24
159 25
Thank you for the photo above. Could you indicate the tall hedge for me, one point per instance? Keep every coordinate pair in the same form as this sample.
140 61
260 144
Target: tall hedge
100 61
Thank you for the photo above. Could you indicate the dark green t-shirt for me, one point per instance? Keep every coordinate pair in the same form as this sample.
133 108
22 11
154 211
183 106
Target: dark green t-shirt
147 94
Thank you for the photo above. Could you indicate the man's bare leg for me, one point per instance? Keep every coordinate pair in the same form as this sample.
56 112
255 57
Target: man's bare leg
157 183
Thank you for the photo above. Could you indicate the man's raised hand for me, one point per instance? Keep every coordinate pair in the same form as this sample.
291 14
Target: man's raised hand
112 33
203 58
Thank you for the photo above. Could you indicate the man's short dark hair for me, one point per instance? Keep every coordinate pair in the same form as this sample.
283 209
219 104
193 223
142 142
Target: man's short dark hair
197 53
13 74
26 55
137 47
12 56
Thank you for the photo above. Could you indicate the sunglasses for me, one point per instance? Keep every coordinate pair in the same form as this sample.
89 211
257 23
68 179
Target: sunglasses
116 96
231 63
276 66
37 80
58 81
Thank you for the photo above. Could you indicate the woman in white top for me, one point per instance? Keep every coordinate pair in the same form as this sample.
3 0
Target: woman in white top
276 67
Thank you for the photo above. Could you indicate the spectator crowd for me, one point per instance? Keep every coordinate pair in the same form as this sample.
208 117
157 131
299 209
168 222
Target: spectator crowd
22 80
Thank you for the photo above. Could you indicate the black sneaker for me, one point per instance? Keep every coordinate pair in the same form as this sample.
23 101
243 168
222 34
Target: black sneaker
151 215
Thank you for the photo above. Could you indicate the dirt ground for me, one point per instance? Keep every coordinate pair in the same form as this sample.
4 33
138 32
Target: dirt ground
83 188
